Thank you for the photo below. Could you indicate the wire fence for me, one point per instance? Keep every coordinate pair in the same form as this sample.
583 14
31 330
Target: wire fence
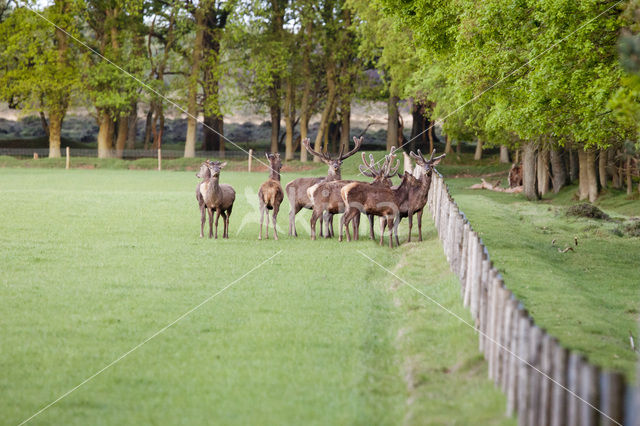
545 383
128 154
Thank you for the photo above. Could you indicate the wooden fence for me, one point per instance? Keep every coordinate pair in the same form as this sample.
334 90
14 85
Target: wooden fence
545 383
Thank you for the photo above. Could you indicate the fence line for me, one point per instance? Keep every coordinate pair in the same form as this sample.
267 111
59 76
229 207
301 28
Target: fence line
520 345
126 154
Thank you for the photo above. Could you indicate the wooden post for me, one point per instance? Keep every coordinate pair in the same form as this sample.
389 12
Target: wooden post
483 300
250 158
159 158
524 389
509 315
535 378
559 396
471 268
611 398
573 376
476 278
546 385
68 159
589 392
514 378
496 315
464 259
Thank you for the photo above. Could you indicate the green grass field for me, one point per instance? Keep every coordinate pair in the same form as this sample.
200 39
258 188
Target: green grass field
94 262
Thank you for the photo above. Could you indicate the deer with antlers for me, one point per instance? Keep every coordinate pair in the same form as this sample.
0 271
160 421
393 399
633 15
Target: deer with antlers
419 183
270 194
297 189
326 199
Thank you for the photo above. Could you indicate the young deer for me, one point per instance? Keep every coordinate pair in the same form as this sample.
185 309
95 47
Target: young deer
203 174
270 194
297 188
216 197
326 199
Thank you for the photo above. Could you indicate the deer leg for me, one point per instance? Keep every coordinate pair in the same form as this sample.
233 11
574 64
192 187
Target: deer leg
292 220
393 224
203 219
371 233
346 218
210 222
275 217
410 218
356 227
313 221
228 218
420 225
330 225
383 224
218 212
261 219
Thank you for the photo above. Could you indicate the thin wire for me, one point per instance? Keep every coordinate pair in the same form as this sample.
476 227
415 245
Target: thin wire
442 120
147 339
146 86
490 338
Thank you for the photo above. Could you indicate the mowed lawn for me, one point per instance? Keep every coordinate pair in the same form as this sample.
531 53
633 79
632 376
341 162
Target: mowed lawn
95 262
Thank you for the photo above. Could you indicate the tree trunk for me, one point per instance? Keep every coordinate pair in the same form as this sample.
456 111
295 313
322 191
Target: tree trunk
628 170
44 124
558 169
147 127
105 135
602 168
459 147
543 171
192 88
504 154
131 125
612 170
289 117
212 139
529 171
592 176
583 188
345 132
448 149
123 132
275 126
305 103
574 165
478 154
328 107
392 122
55 128
418 127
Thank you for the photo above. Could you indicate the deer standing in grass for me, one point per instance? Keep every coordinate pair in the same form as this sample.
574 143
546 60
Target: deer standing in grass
270 194
215 197
419 185
297 188
326 199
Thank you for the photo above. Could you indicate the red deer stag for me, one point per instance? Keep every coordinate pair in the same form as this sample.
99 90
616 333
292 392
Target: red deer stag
326 199
216 197
297 188
270 194
419 191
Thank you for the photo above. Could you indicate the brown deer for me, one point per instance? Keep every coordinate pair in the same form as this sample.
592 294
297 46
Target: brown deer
376 200
419 191
515 175
203 174
297 188
216 197
326 199
270 194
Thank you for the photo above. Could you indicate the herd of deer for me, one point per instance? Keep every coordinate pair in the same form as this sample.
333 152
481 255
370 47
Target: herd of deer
327 196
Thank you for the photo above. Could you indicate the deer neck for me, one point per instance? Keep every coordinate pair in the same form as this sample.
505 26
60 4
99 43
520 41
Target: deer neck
274 174
332 175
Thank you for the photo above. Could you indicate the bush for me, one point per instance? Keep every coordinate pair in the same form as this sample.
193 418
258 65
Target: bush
587 210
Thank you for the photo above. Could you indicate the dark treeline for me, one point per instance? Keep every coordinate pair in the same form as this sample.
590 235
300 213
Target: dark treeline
554 83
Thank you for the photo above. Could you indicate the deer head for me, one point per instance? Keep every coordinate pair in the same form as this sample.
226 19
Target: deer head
203 173
380 173
334 163
275 164
429 164
215 167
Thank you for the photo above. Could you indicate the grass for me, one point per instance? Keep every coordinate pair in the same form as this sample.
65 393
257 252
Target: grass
96 261
588 297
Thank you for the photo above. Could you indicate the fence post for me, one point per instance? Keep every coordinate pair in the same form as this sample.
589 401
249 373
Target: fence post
250 158
483 301
68 159
573 375
535 378
546 363
471 268
612 398
524 333
559 396
462 271
589 392
159 158
512 386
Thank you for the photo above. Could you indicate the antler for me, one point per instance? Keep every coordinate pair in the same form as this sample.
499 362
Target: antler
387 169
358 142
307 144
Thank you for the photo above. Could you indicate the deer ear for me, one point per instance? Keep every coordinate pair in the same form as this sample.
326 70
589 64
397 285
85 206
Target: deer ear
223 164
266 154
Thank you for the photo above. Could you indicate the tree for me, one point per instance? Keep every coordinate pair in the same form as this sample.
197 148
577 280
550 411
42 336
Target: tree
40 69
